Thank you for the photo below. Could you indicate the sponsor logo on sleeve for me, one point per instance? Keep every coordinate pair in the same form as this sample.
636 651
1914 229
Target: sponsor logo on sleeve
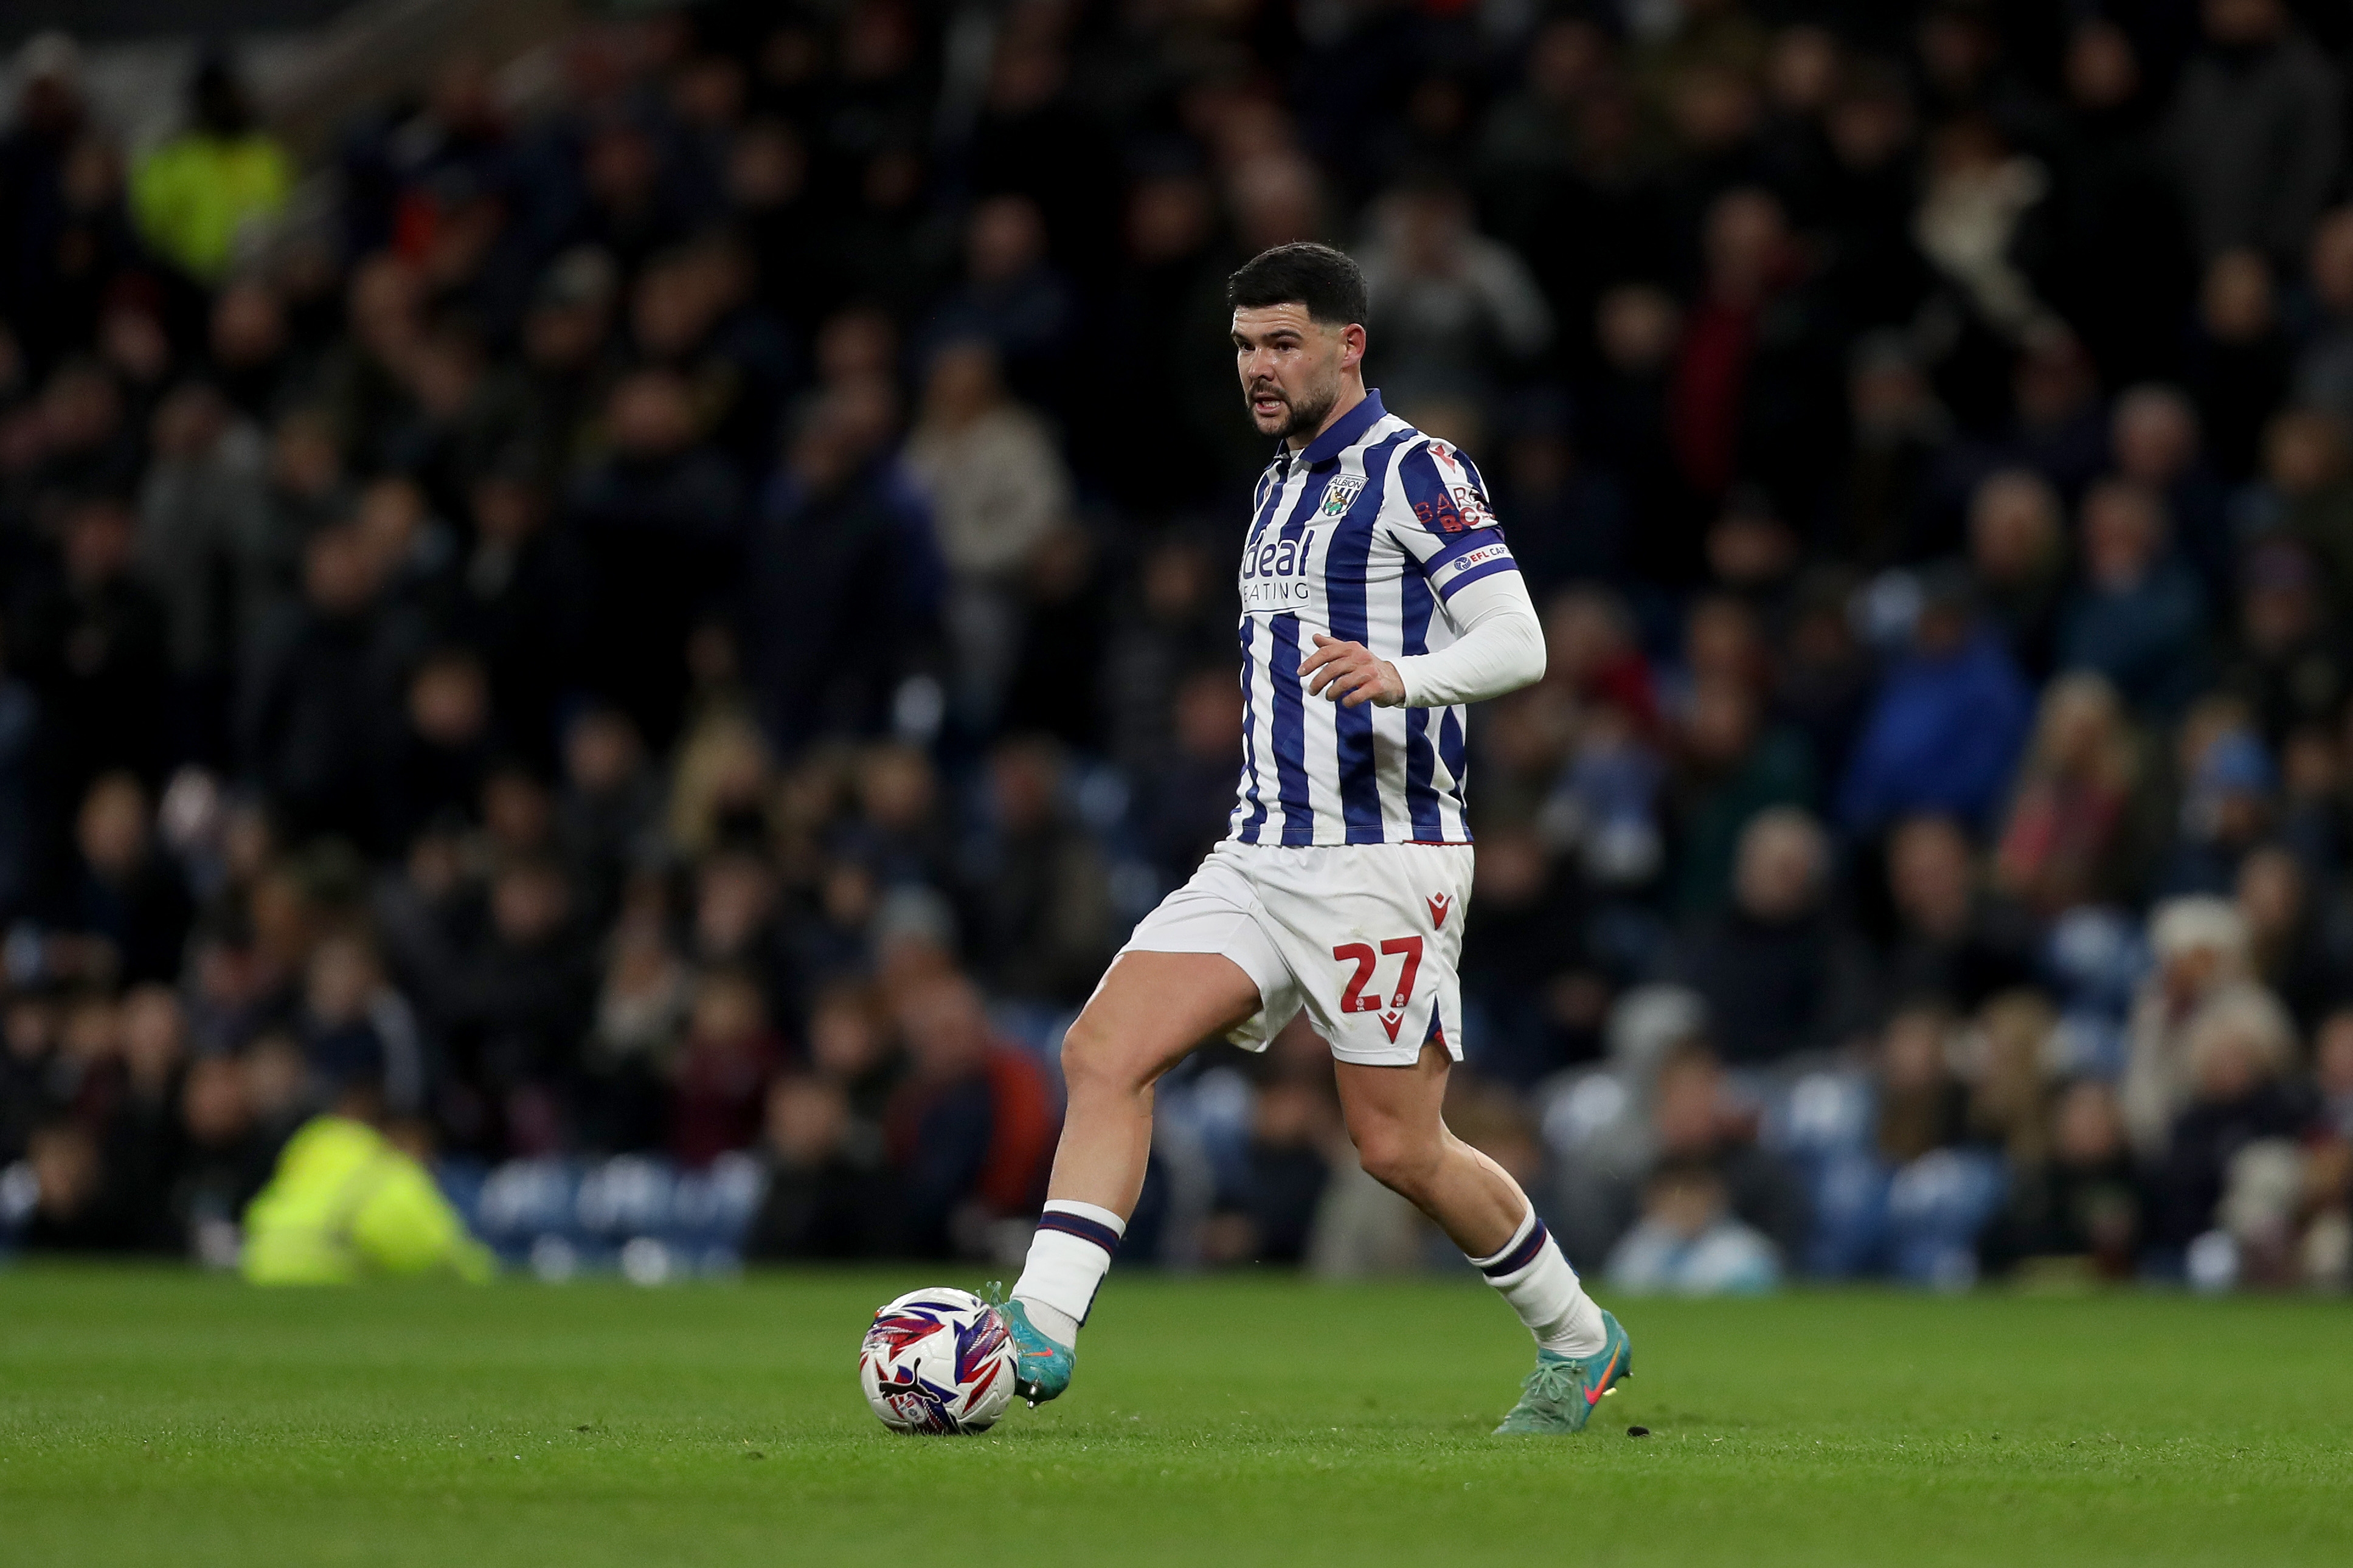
1479 557
1463 501
1440 515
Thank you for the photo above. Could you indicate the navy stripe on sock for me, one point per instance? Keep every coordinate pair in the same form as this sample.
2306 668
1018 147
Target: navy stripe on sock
1520 1257
1085 1229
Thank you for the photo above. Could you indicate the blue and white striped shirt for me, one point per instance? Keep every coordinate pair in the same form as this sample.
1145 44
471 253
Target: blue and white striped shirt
1363 535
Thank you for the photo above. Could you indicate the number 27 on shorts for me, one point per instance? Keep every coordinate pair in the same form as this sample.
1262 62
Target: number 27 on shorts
1361 953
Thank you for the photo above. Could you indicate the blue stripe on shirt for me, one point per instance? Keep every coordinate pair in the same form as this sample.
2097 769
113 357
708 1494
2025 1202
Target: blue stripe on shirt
1421 761
1345 590
1254 818
1253 797
1449 749
1285 649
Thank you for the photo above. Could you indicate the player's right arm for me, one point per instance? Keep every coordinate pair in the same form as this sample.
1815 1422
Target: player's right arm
1453 537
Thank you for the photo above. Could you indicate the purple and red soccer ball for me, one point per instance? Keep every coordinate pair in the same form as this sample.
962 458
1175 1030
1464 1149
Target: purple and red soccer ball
937 1361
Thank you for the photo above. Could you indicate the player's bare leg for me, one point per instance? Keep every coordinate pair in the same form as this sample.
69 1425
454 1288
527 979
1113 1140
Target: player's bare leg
1395 1116
1150 1010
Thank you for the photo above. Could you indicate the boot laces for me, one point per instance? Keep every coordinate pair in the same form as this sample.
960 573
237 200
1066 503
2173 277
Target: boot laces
1554 1382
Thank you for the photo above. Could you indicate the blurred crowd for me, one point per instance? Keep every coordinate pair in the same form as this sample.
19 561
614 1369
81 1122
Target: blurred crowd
656 614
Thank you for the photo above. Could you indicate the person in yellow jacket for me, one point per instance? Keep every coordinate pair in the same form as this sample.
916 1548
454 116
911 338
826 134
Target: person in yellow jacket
196 193
346 1204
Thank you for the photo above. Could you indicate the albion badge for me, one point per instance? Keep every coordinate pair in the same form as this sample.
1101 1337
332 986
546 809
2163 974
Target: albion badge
1340 495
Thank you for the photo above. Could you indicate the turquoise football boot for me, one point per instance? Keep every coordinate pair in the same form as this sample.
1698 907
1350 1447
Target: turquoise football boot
1558 1397
1043 1368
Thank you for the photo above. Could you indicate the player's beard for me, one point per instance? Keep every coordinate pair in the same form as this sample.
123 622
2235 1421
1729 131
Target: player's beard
1308 412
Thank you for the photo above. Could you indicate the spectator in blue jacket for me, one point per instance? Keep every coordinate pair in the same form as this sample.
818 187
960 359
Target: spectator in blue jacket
1948 724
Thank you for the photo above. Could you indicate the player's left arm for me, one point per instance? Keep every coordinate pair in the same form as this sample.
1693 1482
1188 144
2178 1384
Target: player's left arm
1452 534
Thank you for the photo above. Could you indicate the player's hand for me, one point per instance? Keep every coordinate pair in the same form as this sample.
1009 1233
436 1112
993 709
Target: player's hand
1348 674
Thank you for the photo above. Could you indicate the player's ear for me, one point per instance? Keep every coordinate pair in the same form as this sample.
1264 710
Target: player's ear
1351 346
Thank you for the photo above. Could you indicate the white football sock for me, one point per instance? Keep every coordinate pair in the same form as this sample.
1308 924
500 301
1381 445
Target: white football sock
1068 1259
1537 1279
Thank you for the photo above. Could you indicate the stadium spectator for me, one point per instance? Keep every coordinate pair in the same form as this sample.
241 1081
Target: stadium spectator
202 516
1012 298
2085 1204
970 1127
2239 1049
2199 945
727 1055
1294 1127
201 193
91 641
354 1029
320 690
127 893
659 523
1953 940
841 577
2159 444
2120 256
1775 971
2291 668
2018 560
2324 364
1899 432
1822 687
2296 943
2254 133
1455 315
1688 1244
607 811
996 486
74 1211
1186 801
1730 766
2140 616
2226 809
829 1194
2238 364
1755 382
2072 836
1947 726
1036 883
1922 1105
345 1202
1697 1121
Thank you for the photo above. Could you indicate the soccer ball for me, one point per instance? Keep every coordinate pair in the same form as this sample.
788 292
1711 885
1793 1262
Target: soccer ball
937 1361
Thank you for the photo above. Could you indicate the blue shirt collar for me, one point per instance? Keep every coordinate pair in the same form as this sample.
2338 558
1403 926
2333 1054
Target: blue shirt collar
1344 434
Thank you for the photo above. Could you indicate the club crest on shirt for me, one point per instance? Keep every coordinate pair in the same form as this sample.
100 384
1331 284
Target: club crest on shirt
1341 494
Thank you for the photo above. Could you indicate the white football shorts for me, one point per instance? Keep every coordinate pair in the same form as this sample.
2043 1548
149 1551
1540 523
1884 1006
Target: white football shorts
1365 936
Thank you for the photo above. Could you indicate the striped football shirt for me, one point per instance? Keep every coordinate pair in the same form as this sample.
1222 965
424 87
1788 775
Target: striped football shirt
1363 535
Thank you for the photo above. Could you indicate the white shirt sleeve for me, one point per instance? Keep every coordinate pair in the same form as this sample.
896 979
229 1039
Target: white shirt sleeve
1500 647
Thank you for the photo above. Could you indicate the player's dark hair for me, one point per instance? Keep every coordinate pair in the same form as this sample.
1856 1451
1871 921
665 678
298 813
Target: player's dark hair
1316 276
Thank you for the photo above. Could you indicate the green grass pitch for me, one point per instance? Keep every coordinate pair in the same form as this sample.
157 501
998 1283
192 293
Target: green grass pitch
150 1417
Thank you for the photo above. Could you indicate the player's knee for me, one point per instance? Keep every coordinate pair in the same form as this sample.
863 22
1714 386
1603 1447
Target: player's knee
1093 1060
1403 1159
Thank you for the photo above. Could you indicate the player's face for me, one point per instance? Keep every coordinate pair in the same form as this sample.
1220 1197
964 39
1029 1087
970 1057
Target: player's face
1292 367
